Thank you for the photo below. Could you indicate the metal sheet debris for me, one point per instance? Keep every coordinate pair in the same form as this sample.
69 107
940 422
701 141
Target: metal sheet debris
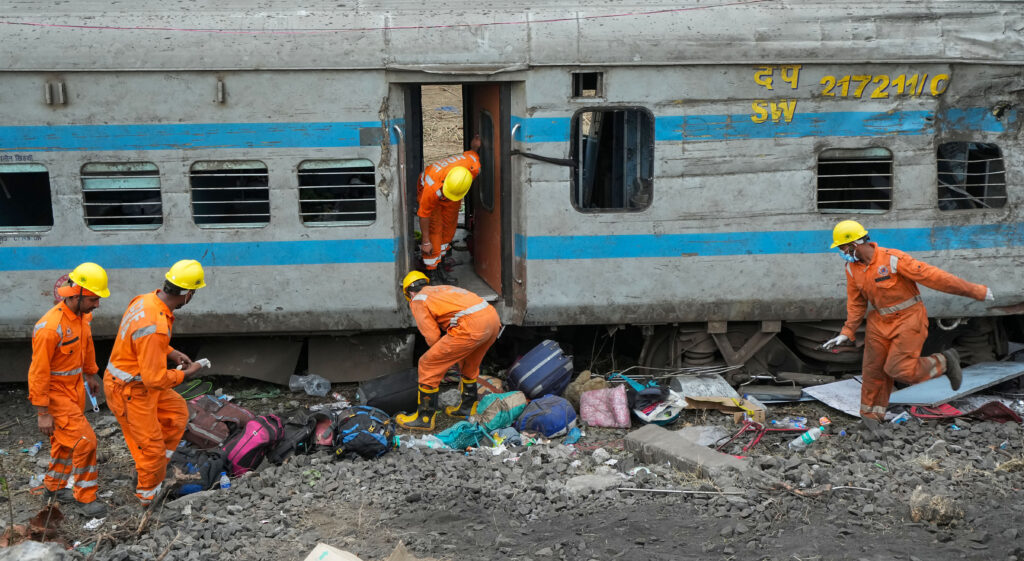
711 385
843 395
976 378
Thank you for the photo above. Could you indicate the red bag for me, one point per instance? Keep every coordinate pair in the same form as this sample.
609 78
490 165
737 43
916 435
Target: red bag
246 450
212 421
605 408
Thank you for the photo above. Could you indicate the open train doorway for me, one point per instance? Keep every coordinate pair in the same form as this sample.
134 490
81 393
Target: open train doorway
451 116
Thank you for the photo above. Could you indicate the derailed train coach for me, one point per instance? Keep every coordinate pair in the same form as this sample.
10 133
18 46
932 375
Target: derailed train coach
675 167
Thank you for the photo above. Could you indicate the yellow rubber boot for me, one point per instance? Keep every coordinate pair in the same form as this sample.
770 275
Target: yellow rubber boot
465 407
423 417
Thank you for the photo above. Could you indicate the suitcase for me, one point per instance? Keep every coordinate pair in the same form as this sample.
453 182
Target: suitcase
394 393
544 370
211 421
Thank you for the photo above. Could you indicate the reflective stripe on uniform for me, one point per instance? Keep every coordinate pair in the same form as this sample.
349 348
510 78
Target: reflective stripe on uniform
84 484
72 372
420 296
893 260
147 495
79 471
427 180
470 310
431 261
872 409
148 330
901 306
122 375
168 453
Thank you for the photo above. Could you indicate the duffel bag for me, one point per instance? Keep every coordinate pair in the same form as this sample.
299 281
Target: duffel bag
499 410
363 431
550 416
246 450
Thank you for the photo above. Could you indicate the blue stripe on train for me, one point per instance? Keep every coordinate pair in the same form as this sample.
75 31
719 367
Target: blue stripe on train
540 248
237 254
841 123
62 138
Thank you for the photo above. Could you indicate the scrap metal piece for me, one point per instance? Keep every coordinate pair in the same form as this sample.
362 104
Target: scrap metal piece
976 378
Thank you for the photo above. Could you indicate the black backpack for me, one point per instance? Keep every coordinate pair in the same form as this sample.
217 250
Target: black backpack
363 431
299 435
207 463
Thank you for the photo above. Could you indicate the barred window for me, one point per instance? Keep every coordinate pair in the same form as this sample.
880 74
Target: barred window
855 180
25 202
614 154
971 175
230 194
337 192
122 196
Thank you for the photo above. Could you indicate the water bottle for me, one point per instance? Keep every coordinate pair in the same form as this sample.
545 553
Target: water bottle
225 483
807 438
35 448
901 418
312 384
789 423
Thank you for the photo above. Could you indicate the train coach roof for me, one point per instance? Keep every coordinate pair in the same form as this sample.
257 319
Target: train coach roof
489 36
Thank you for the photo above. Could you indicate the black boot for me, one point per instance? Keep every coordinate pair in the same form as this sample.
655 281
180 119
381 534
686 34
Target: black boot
433 276
953 371
423 417
468 400
446 277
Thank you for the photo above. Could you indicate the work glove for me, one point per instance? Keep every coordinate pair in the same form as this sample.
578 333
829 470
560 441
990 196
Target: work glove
989 297
840 340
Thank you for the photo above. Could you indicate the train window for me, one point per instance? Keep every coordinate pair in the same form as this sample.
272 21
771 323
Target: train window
484 183
230 194
854 180
587 84
971 175
122 196
337 192
614 154
25 192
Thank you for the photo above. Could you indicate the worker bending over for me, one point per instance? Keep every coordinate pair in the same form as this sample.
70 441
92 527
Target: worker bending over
441 188
62 352
897 326
459 327
139 385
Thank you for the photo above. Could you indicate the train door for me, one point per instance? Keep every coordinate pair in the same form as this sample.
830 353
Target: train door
487 116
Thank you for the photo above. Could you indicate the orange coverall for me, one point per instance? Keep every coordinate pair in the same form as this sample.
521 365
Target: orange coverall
472 326
140 391
443 214
893 341
62 350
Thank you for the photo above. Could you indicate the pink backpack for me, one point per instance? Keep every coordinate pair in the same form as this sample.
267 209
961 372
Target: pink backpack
246 450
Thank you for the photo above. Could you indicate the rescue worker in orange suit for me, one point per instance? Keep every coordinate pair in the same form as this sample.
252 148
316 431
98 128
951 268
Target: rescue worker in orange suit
459 326
441 188
62 352
139 385
897 326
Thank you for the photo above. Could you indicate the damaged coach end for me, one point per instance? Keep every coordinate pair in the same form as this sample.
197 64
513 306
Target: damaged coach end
676 167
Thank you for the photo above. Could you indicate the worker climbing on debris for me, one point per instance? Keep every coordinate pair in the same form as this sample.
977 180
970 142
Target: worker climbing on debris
459 327
139 385
63 369
442 186
897 326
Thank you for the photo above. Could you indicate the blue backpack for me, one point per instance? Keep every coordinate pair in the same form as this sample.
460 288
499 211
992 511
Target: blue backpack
550 416
364 431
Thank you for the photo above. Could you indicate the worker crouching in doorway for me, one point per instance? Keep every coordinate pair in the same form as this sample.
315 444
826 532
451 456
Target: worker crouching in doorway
897 326
139 385
459 327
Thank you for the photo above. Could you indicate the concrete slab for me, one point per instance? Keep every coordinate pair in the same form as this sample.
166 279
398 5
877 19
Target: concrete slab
655 444
976 378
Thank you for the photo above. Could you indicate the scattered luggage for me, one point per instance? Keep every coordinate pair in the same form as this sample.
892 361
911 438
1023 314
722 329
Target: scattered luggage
364 431
393 394
605 408
300 435
208 464
550 416
499 410
542 371
246 450
211 421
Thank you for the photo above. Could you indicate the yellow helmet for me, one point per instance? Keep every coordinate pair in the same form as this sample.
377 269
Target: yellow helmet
456 183
414 277
91 277
187 274
847 231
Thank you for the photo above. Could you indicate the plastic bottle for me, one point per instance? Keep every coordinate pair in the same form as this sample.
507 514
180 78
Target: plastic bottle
311 383
789 423
225 483
35 448
901 418
807 438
